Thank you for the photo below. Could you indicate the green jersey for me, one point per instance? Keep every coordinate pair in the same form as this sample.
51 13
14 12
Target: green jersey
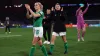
38 20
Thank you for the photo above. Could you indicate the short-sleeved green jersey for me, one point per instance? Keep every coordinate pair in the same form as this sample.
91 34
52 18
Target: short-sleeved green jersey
38 20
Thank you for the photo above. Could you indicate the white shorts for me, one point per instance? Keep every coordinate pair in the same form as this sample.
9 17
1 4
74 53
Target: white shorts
38 31
59 34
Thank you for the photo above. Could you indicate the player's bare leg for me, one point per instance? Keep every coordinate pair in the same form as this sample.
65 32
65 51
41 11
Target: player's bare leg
64 39
53 39
78 34
83 32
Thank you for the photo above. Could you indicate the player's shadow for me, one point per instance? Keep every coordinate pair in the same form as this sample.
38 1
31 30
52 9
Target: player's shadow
23 53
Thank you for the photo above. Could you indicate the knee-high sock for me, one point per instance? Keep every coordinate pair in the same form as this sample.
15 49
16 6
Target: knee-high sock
66 46
32 51
44 50
51 47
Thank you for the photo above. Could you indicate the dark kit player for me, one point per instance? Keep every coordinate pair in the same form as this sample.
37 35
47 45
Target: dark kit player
7 25
47 26
59 28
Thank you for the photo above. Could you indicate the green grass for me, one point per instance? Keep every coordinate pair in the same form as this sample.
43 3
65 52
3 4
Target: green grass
20 45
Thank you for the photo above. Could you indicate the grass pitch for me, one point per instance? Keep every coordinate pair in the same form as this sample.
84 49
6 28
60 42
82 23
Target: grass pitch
18 43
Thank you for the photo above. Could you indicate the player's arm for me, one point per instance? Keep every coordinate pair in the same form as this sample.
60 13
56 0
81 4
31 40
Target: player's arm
28 15
32 13
86 9
52 14
62 12
52 11
78 10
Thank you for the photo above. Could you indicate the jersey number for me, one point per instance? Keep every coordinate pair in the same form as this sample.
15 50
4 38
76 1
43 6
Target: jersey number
37 32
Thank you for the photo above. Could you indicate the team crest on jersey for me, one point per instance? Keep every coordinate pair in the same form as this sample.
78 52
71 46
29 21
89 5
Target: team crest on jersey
41 12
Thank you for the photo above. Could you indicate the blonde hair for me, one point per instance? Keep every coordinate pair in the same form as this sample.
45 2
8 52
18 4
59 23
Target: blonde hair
40 4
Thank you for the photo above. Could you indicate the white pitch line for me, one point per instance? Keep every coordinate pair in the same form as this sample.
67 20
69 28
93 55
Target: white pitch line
10 36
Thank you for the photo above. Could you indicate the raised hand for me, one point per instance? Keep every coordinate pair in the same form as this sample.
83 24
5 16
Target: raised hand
27 6
52 9
88 5
62 9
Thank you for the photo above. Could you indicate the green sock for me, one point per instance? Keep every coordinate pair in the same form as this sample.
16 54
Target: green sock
66 46
51 48
32 51
44 50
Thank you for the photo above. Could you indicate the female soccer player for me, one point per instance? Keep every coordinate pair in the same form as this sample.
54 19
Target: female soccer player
59 28
47 26
38 29
7 25
80 21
